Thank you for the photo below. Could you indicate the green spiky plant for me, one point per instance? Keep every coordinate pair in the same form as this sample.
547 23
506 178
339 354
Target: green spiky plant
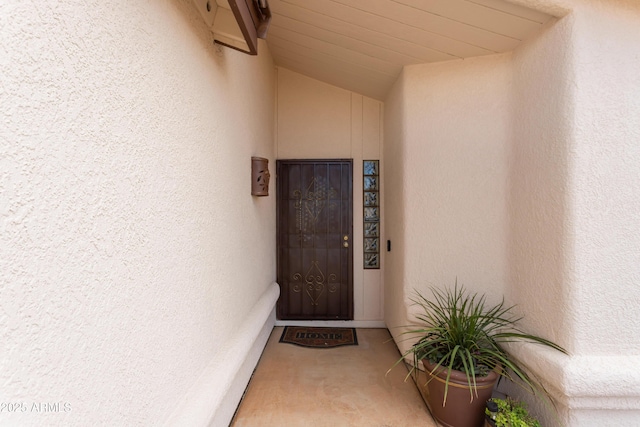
460 331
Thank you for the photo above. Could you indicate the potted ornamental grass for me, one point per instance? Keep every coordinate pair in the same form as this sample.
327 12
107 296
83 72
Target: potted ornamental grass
461 343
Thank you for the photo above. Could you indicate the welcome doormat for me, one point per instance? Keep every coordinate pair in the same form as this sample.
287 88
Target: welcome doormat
319 337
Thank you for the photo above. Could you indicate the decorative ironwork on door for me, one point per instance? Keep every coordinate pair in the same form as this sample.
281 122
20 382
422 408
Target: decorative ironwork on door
315 259
310 205
314 283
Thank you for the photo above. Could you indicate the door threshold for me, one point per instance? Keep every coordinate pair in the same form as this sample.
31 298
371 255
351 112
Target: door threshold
334 323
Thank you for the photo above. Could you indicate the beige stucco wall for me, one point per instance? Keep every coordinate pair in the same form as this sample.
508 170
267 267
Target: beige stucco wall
446 141
315 120
575 244
131 249
137 270
606 174
543 110
569 124
539 186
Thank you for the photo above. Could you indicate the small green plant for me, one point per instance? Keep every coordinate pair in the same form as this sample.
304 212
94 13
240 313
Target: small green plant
512 413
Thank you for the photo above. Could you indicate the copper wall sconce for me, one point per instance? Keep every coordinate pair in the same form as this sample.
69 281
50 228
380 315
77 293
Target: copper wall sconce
260 176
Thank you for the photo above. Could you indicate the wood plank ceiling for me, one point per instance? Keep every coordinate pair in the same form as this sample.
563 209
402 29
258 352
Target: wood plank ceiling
362 45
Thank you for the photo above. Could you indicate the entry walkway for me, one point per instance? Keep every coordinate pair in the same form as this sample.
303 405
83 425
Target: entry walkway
345 386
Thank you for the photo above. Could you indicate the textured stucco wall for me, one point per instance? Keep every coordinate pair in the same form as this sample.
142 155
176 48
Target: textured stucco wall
574 176
447 132
540 247
316 120
130 247
542 125
574 200
395 301
605 173
571 244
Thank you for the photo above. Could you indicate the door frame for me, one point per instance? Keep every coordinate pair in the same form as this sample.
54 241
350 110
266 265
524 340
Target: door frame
350 292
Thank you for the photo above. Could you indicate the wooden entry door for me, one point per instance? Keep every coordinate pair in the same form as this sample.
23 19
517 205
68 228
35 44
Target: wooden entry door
315 251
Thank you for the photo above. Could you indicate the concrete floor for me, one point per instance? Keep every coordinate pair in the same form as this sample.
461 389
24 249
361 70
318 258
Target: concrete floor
343 386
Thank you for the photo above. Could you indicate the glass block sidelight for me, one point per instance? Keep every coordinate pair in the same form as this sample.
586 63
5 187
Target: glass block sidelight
371 205
371 261
371 245
371 229
370 183
371 198
371 167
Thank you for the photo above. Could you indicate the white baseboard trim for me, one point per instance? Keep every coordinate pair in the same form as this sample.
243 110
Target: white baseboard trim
213 399
334 323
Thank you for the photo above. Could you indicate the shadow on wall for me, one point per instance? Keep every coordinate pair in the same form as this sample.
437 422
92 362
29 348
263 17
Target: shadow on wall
395 305
538 180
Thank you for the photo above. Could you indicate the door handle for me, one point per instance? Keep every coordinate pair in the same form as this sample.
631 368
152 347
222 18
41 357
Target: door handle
345 244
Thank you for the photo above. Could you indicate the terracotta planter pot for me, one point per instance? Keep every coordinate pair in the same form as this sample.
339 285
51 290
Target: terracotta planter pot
460 409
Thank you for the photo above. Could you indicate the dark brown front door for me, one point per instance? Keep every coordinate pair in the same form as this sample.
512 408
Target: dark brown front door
315 251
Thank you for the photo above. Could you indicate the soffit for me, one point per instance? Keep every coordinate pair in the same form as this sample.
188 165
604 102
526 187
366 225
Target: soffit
362 45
